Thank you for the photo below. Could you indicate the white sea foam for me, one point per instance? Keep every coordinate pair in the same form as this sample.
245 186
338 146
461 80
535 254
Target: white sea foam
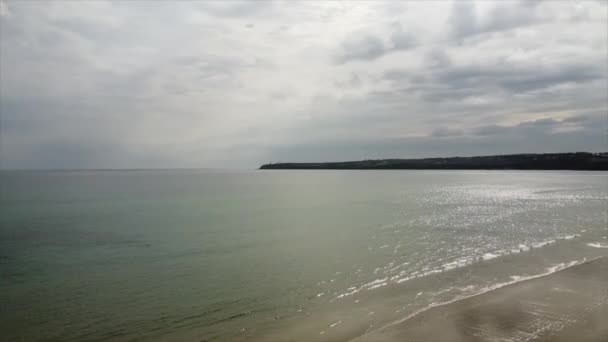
562 266
334 324
597 245
369 286
349 293
390 269
490 256
458 263
377 286
514 279
377 281
543 243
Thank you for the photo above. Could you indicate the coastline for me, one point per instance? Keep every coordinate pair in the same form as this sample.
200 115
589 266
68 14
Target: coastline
566 305
581 161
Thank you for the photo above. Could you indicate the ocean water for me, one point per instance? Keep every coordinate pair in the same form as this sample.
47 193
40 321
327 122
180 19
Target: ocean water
275 255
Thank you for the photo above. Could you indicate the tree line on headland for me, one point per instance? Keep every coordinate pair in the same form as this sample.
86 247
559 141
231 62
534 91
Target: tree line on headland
545 161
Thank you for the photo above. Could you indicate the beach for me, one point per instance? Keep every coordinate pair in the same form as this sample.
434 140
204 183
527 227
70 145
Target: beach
569 305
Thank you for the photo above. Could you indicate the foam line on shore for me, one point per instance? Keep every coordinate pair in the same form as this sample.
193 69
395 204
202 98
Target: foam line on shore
516 279
461 262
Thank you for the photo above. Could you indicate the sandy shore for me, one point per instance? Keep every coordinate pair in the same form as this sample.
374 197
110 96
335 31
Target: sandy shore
569 305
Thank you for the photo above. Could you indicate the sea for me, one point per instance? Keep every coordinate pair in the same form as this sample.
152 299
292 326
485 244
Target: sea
276 255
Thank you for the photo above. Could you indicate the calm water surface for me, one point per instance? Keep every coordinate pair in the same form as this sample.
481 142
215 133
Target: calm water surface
267 255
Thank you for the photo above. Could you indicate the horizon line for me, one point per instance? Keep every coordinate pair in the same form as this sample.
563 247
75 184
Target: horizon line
257 167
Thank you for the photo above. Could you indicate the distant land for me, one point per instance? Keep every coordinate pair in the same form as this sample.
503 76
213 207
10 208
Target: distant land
545 161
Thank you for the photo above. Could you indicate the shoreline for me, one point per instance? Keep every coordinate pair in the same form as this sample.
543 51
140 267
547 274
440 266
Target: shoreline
554 306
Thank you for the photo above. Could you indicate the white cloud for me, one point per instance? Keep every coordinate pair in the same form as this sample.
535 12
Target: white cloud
4 12
149 84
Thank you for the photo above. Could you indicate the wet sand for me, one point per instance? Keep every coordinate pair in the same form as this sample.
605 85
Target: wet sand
569 305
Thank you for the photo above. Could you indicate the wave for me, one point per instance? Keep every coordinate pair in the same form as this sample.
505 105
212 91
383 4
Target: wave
461 262
514 280
598 245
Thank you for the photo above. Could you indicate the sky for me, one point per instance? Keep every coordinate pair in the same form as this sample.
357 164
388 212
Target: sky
151 84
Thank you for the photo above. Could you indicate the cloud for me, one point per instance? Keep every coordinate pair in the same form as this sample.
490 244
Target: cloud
368 47
443 132
518 78
545 126
463 19
235 8
490 130
437 59
541 136
467 21
361 47
214 84
4 12
401 39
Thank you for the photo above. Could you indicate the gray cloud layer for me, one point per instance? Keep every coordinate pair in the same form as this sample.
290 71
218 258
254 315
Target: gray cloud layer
235 84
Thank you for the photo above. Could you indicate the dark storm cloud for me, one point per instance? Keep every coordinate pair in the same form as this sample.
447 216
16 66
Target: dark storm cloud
367 47
446 132
586 118
361 47
524 81
537 126
517 79
437 59
464 21
84 29
490 130
401 39
590 125
235 8
531 137
444 81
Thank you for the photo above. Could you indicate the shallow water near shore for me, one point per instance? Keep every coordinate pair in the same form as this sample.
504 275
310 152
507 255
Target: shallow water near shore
276 255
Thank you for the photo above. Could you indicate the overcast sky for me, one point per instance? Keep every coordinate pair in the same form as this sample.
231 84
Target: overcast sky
150 84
